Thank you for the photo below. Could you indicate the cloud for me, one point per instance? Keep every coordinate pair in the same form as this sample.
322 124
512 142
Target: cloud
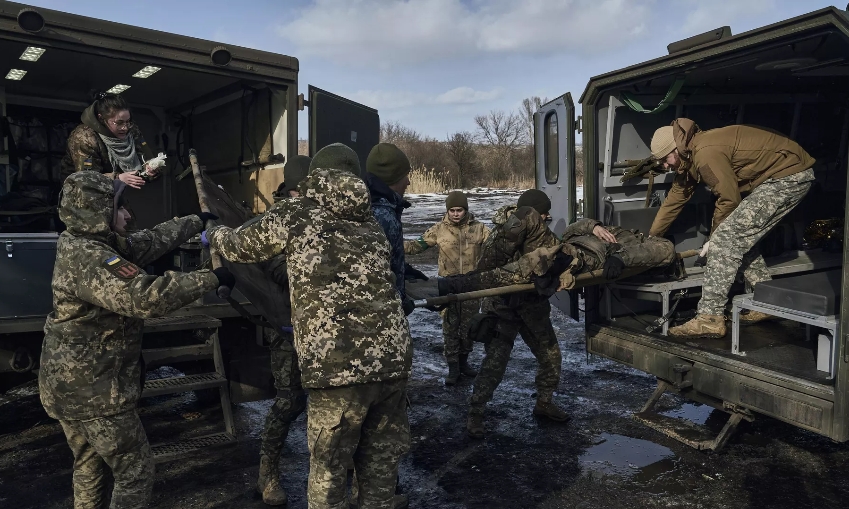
395 99
467 95
703 16
398 33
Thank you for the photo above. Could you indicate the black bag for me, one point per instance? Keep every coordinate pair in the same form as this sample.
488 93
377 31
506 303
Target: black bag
482 327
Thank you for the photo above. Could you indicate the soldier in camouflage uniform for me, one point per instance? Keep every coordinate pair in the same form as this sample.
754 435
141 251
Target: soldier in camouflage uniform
459 238
351 336
90 375
773 169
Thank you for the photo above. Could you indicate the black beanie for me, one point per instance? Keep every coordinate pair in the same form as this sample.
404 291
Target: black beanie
456 199
337 157
536 199
388 163
294 171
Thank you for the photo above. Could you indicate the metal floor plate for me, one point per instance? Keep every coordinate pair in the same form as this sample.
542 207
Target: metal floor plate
178 323
182 384
174 449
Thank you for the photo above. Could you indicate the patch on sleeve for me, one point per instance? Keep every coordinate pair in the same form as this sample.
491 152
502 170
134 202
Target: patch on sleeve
87 162
121 268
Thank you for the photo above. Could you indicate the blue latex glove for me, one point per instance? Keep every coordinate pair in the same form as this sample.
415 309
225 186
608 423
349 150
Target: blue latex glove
203 239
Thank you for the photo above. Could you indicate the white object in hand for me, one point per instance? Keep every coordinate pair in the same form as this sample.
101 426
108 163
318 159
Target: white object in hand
705 248
157 162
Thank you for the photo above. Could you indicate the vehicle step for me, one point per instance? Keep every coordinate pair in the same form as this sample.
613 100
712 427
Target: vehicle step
178 323
160 356
187 383
689 433
162 452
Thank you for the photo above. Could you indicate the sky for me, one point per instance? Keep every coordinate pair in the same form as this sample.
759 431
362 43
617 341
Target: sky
433 65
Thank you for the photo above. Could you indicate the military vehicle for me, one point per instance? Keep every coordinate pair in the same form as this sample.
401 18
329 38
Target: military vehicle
793 77
237 107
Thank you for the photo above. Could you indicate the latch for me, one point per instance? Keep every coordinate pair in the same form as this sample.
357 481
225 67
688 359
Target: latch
10 247
579 124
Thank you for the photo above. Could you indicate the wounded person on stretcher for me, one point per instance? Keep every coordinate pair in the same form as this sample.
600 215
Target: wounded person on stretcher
579 250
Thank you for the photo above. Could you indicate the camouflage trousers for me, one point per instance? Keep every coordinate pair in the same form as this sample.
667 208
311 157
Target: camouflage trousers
291 398
455 329
361 425
116 441
532 320
733 245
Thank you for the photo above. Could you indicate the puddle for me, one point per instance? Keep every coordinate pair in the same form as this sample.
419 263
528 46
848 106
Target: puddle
693 412
621 455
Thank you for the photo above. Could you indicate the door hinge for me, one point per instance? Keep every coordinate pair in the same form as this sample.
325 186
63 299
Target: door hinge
302 103
10 247
579 124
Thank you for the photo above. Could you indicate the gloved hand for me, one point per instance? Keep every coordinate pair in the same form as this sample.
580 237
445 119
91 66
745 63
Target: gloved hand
411 273
225 277
203 240
207 216
408 306
548 283
613 267
701 261
451 284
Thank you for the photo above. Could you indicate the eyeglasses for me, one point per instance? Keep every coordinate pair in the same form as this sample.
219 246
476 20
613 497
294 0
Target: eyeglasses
121 124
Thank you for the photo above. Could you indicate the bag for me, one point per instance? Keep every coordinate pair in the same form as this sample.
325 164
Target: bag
482 327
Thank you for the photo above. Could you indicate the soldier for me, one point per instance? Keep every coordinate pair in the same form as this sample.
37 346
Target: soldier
351 336
291 399
387 177
90 375
459 238
773 169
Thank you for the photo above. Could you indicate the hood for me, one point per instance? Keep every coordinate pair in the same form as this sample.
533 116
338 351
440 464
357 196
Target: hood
502 214
87 203
380 191
89 118
683 130
339 191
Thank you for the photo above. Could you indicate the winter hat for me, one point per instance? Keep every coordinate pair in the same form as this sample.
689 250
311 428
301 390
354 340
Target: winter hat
388 163
662 143
337 157
456 199
294 171
536 199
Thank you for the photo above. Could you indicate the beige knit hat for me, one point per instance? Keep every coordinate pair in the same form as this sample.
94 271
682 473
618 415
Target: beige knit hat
662 143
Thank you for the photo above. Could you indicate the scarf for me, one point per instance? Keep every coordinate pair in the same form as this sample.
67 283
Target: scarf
122 153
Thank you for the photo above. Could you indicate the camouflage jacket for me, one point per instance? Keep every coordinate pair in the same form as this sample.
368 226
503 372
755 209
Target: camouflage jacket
387 206
348 323
86 150
459 244
92 342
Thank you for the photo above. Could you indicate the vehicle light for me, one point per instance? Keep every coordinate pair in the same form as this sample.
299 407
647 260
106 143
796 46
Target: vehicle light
15 74
32 54
117 89
147 72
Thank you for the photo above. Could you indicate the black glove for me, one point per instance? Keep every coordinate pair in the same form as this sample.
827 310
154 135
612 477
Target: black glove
411 273
207 216
408 306
548 283
225 277
613 267
451 284
701 261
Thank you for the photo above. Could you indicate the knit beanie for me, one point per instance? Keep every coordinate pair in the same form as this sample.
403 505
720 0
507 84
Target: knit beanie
388 163
456 199
294 171
536 199
338 157
662 143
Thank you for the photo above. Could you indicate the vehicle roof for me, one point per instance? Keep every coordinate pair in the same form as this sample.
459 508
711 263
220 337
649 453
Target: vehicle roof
829 16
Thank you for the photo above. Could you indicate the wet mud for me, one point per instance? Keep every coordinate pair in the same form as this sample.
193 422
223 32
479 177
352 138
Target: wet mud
603 458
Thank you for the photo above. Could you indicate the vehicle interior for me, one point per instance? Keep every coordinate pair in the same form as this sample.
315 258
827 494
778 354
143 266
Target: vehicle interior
798 86
231 122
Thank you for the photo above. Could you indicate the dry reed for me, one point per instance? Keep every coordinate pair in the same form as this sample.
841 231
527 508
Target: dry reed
424 181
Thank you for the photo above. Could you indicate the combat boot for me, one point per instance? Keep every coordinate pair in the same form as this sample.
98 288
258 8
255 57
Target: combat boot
268 484
753 317
702 326
474 425
465 369
453 373
547 409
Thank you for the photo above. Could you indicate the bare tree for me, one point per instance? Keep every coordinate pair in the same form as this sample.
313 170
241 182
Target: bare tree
398 134
500 129
461 148
531 105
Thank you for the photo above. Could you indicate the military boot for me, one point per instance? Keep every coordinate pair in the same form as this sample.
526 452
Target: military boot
453 373
465 369
702 326
753 317
268 484
474 425
547 409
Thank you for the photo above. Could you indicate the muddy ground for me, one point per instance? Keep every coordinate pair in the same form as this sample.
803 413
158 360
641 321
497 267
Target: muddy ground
602 459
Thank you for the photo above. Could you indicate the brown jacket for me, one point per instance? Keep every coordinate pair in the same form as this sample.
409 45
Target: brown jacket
730 160
459 244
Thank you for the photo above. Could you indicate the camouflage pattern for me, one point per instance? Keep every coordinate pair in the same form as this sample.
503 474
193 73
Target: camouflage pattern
86 150
362 425
459 244
291 399
92 343
348 323
119 442
387 206
733 245
455 329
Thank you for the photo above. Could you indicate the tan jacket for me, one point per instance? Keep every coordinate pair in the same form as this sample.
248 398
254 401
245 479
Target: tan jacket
459 244
730 160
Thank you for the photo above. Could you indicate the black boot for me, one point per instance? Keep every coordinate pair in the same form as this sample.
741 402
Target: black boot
453 373
465 369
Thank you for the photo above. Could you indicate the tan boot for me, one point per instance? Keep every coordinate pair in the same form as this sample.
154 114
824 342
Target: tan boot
753 317
474 425
551 411
702 326
268 484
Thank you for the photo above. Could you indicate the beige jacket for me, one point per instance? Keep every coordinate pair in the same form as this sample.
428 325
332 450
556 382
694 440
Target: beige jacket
459 244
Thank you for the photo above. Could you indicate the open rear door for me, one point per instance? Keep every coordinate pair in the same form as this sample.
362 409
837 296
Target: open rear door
334 119
554 146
